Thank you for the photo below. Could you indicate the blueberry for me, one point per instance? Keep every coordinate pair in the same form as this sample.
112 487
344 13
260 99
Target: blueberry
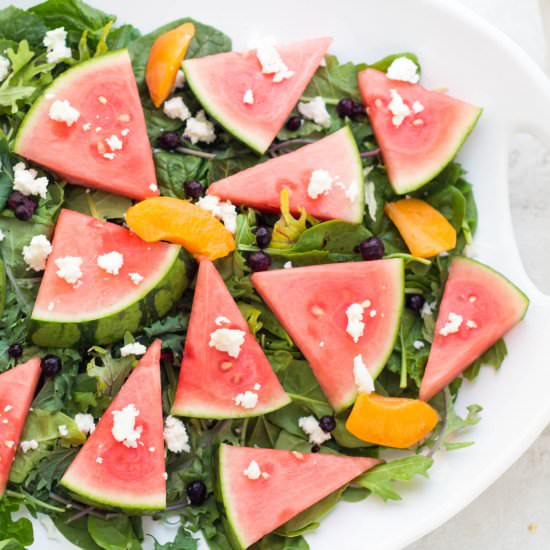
15 351
414 301
167 355
168 140
22 205
24 212
345 107
196 492
51 365
294 123
15 199
327 423
372 249
193 189
258 261
315 448
358 110
263 236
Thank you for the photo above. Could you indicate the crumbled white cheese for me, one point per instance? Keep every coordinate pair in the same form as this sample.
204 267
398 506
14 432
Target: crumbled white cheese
124 132
154 187
370 199
417 107
403 69
63 431
399 109
111 262
109 156
373 313
223 210
26 182
352 191
199 128
427 309
253 470
287 265
362 376
4 67
124 426
2 235
471 324
272 63
86 126
320 183
180 80
175 435
257 387
56 46
452 325
248 97
227 340
134 348
152 449
220 320
418 344
36 252
62 111
8 408
99 460
315 110
355 327
9 443
323 62
175 108
114 143
102 99
85 423
30 445
165 476
246 400
310 426
136 278
69 268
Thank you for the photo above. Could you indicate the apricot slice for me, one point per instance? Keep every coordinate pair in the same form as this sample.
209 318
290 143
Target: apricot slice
391 421
425 231
179 221
167 53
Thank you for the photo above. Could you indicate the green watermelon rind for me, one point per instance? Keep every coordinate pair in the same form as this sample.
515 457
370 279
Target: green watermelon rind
60 82
152 304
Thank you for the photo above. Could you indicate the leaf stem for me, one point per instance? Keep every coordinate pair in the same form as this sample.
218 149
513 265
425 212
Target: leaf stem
297 141
371 153
34 501
409 258
16 288
91 204
195 153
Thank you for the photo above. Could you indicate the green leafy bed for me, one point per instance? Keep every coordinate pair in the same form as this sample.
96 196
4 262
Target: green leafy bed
90 377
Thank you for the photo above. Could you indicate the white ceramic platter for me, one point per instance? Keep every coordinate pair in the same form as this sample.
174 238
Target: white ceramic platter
477 63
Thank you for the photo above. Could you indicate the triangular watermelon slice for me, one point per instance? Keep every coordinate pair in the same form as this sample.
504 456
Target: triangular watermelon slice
213 383
221 81
106 471
104 91
418 148
17 387
311 303
292 482
260 186
101 306
478 307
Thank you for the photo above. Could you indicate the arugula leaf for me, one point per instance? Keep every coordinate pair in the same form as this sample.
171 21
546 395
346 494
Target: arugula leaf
109 372
456 424
493 357
379 480
184 541
17 24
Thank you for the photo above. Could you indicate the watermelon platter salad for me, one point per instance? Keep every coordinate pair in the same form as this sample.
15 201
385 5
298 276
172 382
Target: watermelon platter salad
230 282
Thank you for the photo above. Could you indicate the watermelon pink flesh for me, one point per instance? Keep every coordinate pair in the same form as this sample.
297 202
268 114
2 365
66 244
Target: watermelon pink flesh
260 186
129 478
211 379
478 294
295 481
416 151
311 304
105 93
17 387
220 82
86 237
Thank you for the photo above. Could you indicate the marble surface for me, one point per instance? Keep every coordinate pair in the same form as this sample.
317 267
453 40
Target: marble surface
514 513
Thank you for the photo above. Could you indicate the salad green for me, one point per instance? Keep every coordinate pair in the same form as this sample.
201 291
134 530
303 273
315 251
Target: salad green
91 376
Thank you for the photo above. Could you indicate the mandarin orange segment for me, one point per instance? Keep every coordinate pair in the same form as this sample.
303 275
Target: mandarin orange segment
165 59
425 231
391 421
180 222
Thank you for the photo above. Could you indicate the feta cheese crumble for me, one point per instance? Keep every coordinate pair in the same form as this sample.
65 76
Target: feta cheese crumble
9 443
102 99
114 143
4 67
253 471
452 325
124 132
26 182
362 376
320 183
427 309
136 278
355 327
246 400
109 156
272 63
175 108
175 435
134 348
248 97
111 262
99 460
227 340
199 128
63 431
287 265
56 46
310 426
36 252
399 109
2 235
223 210
124 426
417 107
30 445
418 344
315 110
86 127
85 423
220 320
403 69
154 187
69 268
471 324
370 199
8 408
62 111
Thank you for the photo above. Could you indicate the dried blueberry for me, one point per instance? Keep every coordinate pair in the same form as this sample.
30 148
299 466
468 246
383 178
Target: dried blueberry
196 492
372 249
263 236
51 365
414 301
327 423
294 123
345 107
315 448
168 140
193 189
15 351
358 110
22 205
258 261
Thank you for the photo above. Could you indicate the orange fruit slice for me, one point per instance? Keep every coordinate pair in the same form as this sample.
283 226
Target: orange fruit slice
180 222
425 231
391 421
165 59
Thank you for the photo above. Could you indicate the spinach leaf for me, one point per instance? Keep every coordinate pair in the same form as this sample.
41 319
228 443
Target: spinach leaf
384 63
17 25
113 534
76 531
11 544
173 170
276 542
96 203
234 159
122 37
